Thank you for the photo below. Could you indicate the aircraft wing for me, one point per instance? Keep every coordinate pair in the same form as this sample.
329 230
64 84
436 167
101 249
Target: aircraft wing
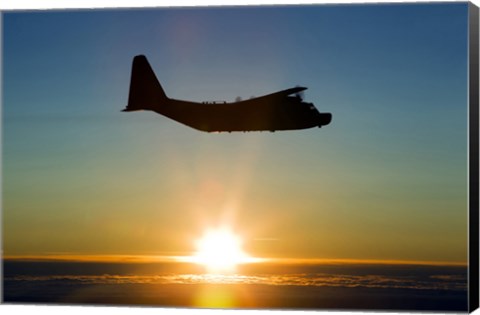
290 91
282 94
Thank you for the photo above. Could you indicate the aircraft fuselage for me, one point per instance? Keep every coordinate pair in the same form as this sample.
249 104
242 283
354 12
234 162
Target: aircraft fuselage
248 115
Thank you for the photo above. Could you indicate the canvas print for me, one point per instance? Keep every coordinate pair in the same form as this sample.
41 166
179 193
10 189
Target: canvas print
305 157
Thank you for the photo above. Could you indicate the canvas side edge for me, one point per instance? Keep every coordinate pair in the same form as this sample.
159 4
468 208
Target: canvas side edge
473 96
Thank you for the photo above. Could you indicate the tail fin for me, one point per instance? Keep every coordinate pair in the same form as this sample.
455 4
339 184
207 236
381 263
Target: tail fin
145 90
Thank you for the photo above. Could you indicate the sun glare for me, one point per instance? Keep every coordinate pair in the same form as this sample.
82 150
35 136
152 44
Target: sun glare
220 250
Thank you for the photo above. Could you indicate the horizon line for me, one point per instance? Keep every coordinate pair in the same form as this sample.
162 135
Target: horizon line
122 258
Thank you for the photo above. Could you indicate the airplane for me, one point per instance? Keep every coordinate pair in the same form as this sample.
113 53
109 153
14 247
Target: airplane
276 111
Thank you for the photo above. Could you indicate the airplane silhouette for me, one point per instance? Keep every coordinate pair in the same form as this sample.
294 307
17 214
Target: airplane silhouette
276 111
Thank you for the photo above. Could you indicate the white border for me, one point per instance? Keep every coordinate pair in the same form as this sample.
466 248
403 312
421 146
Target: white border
55 4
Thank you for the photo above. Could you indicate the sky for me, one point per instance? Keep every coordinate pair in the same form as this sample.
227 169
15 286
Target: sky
387 179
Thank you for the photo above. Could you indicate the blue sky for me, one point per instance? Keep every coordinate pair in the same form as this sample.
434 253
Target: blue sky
393 162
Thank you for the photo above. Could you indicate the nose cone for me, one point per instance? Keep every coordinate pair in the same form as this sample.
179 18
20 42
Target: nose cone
324 119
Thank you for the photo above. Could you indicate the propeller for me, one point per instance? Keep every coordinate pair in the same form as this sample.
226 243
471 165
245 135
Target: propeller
301 94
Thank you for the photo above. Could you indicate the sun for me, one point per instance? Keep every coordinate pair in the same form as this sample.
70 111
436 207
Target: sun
220 250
